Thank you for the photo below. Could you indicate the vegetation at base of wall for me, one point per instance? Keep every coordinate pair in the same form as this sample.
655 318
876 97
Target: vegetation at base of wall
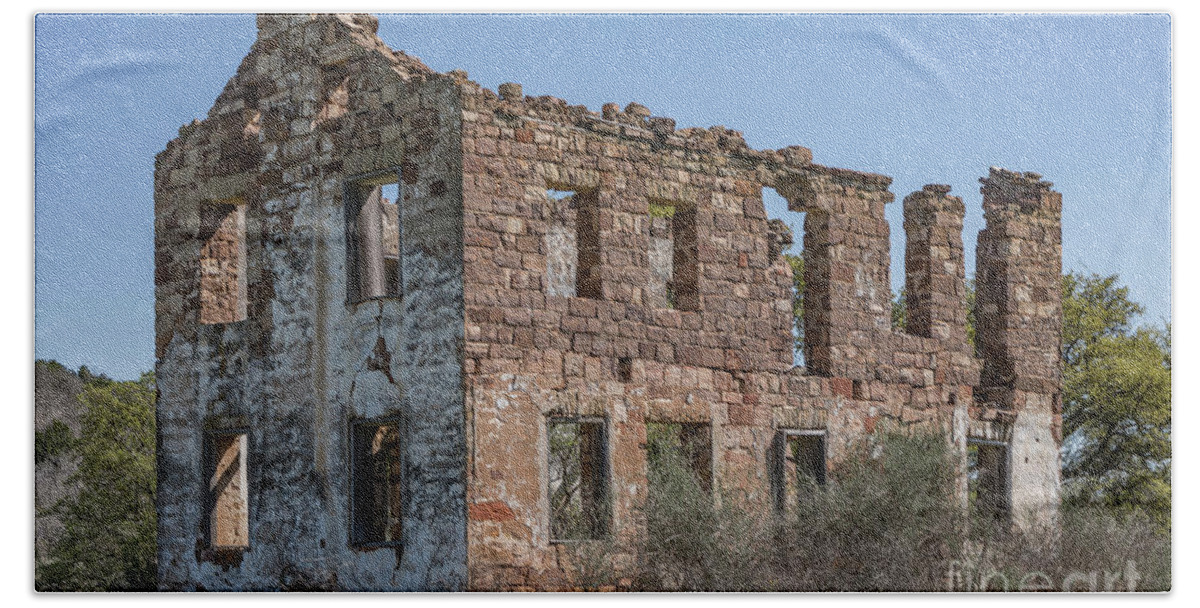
109 526
888 520
691 544
1091 549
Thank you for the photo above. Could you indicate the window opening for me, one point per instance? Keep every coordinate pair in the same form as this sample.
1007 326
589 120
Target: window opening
562 255
228 491
787 239
987 480
673 448
374 235
802 465
223 262
588 281
578 488
377 484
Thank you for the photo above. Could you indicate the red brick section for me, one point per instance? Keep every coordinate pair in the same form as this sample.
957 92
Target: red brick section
726 359
842 386
494 510
1018 276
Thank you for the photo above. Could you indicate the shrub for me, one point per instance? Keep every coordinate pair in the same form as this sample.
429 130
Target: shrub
690 544
888 520
51 443
1091 549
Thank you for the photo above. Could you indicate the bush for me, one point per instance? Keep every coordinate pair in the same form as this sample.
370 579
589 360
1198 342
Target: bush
1092 549
53 442
692 545
888 520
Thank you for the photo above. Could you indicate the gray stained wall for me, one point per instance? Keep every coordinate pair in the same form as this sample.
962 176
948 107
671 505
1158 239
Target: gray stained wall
315 103
557 267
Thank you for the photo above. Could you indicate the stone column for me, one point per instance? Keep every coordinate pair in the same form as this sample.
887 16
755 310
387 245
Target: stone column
847 303
1019 330
933 266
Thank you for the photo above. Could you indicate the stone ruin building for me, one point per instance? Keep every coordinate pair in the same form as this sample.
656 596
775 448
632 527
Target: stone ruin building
387 298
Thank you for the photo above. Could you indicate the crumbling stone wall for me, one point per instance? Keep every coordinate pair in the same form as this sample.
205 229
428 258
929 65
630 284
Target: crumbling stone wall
559 266
1019 311
318 101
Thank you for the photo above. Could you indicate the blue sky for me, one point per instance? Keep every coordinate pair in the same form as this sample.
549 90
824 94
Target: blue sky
1083 99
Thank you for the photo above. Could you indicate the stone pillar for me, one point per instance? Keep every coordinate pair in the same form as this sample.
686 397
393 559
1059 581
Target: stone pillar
933 266
1019 331
847 300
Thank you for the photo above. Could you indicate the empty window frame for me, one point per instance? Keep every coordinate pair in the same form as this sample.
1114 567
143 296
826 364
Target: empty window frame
377 484
674 270
374 229
800 465
987 480
675 448
785 234
578 479
226 477
223 262
562 254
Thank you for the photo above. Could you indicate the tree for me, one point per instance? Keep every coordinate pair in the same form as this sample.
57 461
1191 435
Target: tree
108 540
970 301
1116 400
797 264
900 310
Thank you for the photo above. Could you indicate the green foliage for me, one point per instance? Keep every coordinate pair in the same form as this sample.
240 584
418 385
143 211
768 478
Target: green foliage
108 540
797 264
1105 539
567 519
883 522
1094 307
970 300
887 520
1116 401
1113 550
51 364
900 310
53 442
88 377
579 508
661 210
692 545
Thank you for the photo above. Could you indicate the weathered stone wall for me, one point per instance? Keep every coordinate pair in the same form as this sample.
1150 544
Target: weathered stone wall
317 101
536 351
1019 304
655 291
